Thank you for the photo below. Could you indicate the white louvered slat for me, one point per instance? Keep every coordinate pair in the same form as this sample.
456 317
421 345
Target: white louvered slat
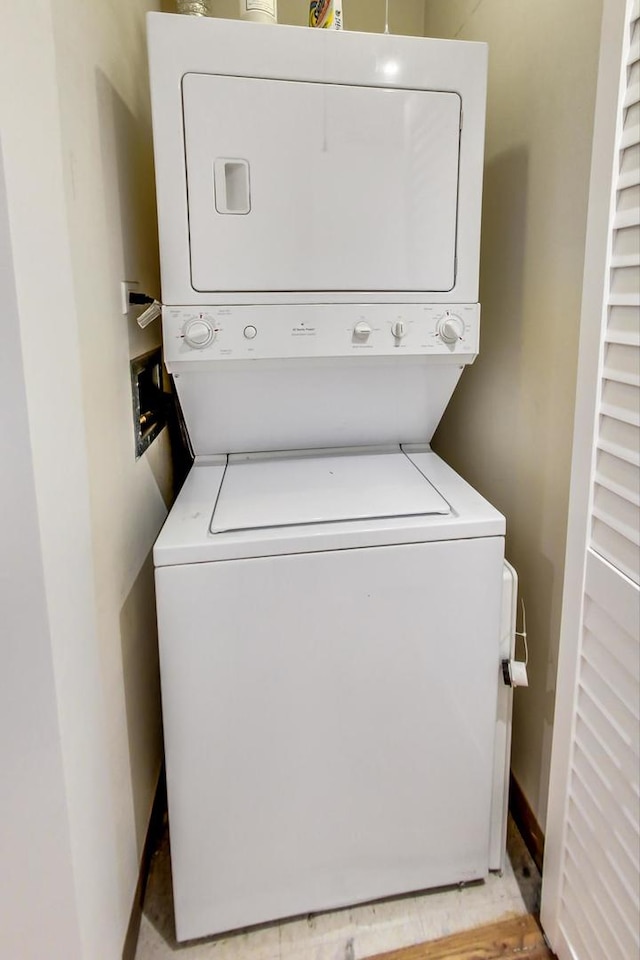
633 86
630 136
632 108
624 280
630 217
634 46
627 339
629 179
620 375
620 400
620 439
616 450
618 476
631 98
622 362
629 162
618 643
615 547
626 260
623 320
625 241
617 512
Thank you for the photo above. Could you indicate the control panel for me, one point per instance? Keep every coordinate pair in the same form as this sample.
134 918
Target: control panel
320 330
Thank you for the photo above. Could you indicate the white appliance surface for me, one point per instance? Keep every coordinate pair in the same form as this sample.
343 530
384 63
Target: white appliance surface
329 714
310 166
306 331
287 377
186 537
329 614
370 205
292 490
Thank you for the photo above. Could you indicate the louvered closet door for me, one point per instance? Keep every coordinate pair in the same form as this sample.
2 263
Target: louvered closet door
591 880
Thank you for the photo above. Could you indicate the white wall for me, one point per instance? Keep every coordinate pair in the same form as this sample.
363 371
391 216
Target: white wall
75 122
508 428
36 875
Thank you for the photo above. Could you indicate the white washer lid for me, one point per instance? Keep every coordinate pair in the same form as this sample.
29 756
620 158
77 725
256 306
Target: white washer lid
292 490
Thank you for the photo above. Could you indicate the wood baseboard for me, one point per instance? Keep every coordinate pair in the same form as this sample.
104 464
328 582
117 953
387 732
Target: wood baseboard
512 939
526 822
153 834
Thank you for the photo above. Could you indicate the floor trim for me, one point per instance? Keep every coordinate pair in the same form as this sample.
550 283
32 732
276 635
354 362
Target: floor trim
526 822
519 938
154 832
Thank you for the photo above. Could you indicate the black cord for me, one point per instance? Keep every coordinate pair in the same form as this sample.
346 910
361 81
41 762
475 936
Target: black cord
139 298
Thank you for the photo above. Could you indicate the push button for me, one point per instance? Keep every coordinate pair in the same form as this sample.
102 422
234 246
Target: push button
250 332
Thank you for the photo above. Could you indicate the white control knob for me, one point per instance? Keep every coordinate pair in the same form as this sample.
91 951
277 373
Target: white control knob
398 329
198 333
361 330
250 332
451 329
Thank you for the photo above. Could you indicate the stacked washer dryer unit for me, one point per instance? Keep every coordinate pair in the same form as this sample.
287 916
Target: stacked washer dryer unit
329 591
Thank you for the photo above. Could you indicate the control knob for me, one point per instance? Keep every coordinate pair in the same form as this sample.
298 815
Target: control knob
198 333
451 329
398 329
361 330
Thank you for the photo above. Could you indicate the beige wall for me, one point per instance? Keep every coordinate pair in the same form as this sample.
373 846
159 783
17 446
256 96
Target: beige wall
110 201
76 140
508 428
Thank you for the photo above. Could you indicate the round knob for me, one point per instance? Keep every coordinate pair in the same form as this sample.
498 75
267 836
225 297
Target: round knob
398 329
361 330
451 329
198 333
250 332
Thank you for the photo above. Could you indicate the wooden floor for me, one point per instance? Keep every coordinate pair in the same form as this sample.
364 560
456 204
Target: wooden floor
517 939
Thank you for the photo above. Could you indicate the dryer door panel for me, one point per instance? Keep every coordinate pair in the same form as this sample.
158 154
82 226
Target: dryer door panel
288 192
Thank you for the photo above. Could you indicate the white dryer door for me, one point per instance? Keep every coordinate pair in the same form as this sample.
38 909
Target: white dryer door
313 186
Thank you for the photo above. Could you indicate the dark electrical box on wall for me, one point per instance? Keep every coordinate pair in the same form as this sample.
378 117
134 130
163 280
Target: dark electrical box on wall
149 412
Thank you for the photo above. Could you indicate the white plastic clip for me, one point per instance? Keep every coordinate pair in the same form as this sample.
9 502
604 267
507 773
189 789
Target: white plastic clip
150 314
514 672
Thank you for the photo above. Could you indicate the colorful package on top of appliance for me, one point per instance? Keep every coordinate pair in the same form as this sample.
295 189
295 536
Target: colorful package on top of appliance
326 14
